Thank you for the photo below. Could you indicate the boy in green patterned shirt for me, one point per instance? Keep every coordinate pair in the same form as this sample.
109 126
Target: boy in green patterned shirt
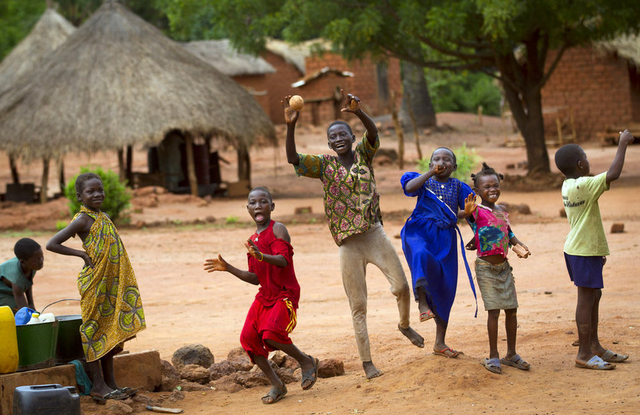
352 206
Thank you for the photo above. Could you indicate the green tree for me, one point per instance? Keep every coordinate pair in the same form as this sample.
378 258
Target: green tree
17 18
513 37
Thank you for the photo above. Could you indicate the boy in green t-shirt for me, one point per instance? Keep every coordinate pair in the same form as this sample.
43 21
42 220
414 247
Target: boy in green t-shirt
16 275
586 248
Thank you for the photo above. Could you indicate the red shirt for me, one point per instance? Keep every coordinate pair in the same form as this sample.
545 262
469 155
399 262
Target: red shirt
275 283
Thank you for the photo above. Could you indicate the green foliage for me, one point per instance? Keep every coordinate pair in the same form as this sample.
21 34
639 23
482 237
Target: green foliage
17 18
466 159
231 220
61 224
116 194
463 92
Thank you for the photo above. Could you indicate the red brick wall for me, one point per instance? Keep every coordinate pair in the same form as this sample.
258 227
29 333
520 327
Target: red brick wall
278 84
595 86
256 85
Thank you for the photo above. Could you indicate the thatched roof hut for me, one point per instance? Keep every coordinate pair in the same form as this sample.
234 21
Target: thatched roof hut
118 81
50 31
225 58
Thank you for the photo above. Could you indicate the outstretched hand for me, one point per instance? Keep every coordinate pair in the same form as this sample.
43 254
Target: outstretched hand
626 137
253 250
470 205
290 115
215 264
351 102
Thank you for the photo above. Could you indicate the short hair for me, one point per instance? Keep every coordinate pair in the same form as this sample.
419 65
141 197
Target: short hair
486 170
25 248
567 158
337 122
262 189
455 160
83 178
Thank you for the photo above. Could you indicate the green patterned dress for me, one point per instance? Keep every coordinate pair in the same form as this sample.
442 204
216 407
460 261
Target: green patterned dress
110 300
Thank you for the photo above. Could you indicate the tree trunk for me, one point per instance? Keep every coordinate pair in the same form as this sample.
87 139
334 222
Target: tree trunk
527 113
121 167
413 81
244 165
398 128
129 170
14 170
61 175
45 180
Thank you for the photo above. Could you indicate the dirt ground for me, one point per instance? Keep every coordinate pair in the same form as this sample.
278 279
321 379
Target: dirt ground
185 305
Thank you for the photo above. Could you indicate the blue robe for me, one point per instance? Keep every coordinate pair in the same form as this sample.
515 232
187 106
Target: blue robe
429 243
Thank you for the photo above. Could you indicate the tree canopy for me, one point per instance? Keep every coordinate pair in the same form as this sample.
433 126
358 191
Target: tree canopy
509 39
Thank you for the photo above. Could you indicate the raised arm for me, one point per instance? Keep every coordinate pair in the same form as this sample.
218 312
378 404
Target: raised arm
220 264
618 161
414 184
352 105
75 228
290 117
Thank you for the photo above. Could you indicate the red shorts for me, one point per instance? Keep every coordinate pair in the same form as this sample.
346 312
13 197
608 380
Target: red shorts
274 323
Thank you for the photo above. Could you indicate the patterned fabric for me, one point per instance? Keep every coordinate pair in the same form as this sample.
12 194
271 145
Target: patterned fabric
447 192
110 300
491 231
351 201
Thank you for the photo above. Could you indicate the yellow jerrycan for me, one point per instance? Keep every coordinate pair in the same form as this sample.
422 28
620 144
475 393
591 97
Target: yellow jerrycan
9 344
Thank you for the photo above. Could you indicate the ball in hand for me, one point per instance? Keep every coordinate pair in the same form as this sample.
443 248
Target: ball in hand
296 102
353 105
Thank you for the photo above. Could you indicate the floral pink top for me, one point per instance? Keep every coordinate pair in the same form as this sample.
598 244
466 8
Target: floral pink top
492 231
351 201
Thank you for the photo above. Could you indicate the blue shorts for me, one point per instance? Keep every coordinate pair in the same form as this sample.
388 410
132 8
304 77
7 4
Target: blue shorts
585 271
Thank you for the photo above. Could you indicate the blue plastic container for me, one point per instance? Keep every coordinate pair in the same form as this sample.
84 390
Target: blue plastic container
52 399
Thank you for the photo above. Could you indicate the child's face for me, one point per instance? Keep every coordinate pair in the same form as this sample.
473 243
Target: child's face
488 189
92 194
35 261
340 138
443 157
260 206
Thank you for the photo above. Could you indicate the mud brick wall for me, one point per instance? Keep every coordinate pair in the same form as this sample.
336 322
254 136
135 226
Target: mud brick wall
363 84
596 86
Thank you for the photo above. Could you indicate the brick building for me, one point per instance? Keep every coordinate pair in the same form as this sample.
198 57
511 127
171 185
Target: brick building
598 87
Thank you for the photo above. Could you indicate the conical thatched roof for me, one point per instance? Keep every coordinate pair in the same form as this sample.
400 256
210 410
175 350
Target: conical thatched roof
222 56
48 33
626 46
118 81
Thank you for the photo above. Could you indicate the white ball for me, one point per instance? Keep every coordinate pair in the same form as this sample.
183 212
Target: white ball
296 102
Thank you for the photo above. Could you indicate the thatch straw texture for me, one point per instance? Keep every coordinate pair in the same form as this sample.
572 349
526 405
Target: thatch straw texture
225 58
118 81
627 47
48 33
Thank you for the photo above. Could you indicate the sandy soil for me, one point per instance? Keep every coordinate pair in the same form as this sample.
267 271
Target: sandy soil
185 305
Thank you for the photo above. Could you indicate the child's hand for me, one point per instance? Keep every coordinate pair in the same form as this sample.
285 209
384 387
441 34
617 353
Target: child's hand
290 115
625 137
253 250
87 260
215 264
436 169
470 204
351 103
471 245
521 250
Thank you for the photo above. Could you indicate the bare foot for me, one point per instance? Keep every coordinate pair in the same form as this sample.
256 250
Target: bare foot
412 335
370 370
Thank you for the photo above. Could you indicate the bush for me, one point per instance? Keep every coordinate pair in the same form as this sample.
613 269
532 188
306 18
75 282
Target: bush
465 158
116 199
463 92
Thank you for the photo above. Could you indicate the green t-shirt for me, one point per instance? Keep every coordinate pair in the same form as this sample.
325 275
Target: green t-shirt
580 197
12 271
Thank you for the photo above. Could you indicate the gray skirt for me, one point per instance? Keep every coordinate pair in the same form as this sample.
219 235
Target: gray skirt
496 285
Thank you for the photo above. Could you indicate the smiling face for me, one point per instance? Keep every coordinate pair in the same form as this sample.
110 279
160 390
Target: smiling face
443 157
340 138
92 194
260 206
488 188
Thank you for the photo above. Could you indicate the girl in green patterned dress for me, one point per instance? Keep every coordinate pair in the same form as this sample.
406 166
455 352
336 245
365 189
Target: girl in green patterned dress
110 300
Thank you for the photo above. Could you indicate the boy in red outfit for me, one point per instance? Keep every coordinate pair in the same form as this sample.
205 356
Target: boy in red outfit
272 315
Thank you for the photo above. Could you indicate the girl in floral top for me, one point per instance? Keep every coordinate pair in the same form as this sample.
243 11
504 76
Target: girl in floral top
492 237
